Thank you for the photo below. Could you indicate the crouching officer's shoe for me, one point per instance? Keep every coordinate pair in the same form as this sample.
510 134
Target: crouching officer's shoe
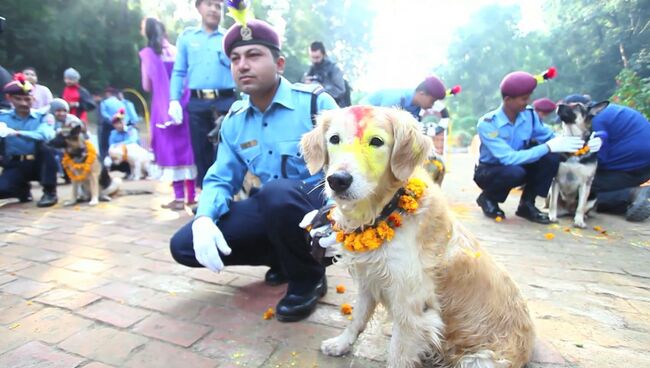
48 200
490 208
275 277
294 307
639 210
528 211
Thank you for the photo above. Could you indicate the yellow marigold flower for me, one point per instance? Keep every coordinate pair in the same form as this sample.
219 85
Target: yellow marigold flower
269 314
340 236
598 228
346 308
370 239
357 243
438 164
549 236
340 289
395 219
416 186
408 203
384 231
498 219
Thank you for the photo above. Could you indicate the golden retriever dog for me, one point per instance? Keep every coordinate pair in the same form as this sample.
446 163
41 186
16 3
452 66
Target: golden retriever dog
449 302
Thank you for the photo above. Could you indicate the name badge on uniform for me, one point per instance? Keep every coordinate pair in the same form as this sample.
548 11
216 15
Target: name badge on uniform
248 144
493 134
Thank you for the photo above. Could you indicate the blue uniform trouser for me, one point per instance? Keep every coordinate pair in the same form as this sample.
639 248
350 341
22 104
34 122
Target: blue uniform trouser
203 114
497 180
103 134
613 188
263 231
16 175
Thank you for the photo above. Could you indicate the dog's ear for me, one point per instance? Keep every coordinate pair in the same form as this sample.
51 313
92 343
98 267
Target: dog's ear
313 145
74 132
411 148
566 114
593 110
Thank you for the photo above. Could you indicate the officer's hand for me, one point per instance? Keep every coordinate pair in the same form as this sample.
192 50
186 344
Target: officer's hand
565 144
5 131
108 162
594 143
329 241
175 112
208 241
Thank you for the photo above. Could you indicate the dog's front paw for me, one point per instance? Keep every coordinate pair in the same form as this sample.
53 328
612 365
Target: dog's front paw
93 202
579 224
336 346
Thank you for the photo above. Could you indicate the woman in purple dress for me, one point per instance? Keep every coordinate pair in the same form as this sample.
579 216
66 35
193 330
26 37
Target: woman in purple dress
170 141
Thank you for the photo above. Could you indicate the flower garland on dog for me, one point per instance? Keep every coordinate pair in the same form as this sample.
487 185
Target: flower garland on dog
373 237
78 171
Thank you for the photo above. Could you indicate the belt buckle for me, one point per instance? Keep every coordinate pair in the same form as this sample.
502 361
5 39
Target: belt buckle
209 94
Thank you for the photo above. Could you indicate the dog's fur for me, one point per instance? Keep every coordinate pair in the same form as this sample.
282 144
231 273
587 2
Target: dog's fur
75 147
571 186
448 300
137 157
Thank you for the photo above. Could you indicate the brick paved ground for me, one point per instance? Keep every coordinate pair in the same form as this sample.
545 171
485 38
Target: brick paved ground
96 287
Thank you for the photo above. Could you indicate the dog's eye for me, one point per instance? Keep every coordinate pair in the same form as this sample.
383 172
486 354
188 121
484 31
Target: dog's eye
376 141
335 139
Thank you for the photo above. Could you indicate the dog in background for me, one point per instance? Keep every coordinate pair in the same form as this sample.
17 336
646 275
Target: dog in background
138 158
571 186
448 299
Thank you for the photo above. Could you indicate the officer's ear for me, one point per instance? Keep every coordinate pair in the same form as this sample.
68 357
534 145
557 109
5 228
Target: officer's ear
280 63
313 145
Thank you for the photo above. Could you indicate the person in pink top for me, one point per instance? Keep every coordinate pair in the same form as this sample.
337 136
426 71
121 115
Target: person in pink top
42 95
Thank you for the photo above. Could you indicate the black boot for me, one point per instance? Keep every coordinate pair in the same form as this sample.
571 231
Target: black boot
490 208
49 197
639 210
297 306
528 211
274 276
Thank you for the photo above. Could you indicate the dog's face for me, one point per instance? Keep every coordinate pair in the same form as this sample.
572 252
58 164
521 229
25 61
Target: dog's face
576 117
363 150
71 140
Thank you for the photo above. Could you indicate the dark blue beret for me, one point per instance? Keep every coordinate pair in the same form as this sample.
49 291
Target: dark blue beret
257 33
518 84
577 98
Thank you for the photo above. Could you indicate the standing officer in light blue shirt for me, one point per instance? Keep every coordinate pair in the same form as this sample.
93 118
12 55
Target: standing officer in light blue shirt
201 62
517 149
422 98
261 134
24 155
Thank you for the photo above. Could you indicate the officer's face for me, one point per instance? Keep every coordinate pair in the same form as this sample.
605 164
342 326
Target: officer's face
254 69
210 11
517 104
21 103
316 57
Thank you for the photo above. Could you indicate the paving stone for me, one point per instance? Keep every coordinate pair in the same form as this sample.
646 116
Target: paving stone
13 308
6 278
88 266
26 288
157 354
124 293
171 330
50 325
104 344
38 355
113 313
66 298
97 365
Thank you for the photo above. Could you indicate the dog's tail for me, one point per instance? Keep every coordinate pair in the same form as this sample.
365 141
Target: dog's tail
113 187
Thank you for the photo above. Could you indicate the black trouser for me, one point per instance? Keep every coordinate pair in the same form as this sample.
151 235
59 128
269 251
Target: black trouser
497 180
203 114
263 231
16 175
613 189
104 128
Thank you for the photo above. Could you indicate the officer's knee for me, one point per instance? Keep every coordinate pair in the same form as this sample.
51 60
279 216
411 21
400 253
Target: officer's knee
514 175
276 195
180 245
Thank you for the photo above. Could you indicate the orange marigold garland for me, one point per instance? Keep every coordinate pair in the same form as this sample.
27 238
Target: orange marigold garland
78 171
373 237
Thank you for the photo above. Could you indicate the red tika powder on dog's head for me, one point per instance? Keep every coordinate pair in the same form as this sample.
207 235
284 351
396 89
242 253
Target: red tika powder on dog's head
360 113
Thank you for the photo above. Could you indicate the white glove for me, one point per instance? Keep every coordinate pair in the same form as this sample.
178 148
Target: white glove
328 242
107 162
565 144
443 123
175 112
5 131
594 143
208 241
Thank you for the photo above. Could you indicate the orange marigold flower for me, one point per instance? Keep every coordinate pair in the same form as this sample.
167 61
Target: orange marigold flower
416 186
346 308
384 231
340 236
340 289
598 228
370 239
269 314
549 236
498 219
408 203
395 219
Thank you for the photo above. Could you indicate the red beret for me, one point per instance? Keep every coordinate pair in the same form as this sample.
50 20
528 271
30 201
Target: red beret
257 33
518 84
434 87
544 105
18 86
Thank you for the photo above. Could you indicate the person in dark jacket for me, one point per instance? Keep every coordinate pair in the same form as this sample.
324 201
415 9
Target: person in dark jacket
325 72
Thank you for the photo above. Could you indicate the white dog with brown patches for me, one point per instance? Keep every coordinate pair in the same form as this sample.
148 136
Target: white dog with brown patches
448 300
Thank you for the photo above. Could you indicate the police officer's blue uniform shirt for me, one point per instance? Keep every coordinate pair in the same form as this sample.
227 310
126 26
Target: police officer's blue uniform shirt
32 128
131 115
504 143
200 59
127 136
266 144
402 98
110 106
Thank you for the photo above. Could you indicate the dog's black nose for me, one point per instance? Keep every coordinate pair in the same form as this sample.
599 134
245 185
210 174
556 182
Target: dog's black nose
339 181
